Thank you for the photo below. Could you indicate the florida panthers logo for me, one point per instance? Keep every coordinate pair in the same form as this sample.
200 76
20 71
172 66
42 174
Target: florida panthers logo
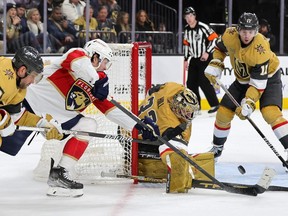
79 96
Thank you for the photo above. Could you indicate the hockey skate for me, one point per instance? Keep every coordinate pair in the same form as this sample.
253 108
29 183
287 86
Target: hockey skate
216 150
61 185
213 110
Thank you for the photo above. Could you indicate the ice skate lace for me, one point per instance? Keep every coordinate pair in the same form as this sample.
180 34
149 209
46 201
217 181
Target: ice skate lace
67 177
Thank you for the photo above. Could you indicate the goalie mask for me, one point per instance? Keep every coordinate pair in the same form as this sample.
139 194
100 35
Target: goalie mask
101 49
185 105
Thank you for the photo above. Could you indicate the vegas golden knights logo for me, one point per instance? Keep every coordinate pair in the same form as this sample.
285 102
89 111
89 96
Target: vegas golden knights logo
79 96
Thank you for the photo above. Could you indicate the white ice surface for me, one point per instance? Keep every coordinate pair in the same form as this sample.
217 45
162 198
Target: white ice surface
20 195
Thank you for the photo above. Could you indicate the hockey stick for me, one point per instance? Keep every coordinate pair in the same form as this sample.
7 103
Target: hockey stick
209 185
253 124
139 178
173 133
92 134
202 184
253 191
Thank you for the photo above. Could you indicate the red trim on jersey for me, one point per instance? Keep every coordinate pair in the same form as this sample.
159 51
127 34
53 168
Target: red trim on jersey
104 105
62 80
101 74
75 148
73 56
279 125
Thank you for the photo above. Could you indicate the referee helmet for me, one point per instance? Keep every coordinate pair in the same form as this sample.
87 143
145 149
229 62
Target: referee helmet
189 10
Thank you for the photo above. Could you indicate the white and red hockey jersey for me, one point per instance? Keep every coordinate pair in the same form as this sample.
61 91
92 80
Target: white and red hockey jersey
65 90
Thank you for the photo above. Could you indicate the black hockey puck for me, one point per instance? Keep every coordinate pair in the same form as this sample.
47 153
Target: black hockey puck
241 169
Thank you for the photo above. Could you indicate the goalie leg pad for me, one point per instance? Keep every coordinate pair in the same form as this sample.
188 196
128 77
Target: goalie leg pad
207 162
153 168
179 172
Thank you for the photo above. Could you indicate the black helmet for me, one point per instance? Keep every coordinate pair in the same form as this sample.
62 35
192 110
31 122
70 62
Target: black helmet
189 10
248 21
30 58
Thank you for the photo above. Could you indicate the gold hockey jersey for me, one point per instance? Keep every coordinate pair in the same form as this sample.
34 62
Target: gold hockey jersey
156 106
244 59
10 94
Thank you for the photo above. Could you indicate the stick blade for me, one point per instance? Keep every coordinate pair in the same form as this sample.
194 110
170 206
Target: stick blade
265 180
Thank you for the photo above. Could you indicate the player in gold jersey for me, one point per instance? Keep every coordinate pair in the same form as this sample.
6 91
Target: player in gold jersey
15 76
168 105
258 78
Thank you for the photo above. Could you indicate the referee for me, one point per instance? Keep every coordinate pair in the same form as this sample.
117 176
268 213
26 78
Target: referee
199 42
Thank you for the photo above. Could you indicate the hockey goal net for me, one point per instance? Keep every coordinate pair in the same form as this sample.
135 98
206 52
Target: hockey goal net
129 80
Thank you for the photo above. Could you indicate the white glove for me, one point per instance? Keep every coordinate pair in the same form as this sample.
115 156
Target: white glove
7 126
54 129
247 108
213 70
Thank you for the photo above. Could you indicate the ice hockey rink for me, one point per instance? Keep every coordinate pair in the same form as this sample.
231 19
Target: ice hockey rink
21 195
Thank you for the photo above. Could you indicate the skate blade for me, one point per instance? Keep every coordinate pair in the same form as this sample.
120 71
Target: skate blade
64 192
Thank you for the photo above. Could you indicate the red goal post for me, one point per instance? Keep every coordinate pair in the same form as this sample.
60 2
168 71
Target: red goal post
135 94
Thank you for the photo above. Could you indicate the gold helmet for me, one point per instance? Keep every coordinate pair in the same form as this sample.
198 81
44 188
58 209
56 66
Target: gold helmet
185 104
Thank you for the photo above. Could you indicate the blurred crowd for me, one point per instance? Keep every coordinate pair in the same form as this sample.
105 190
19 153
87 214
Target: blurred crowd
66 24
109 20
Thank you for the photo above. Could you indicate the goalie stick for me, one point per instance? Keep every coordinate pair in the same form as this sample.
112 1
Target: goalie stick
251 191
209 185
265 179
285 164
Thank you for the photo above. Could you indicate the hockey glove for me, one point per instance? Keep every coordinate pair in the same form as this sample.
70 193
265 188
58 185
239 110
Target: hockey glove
213 70
7 126
54 129
101 87
247 108
148 134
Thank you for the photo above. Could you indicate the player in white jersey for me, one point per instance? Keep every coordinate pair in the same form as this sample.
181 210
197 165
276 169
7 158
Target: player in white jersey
70 84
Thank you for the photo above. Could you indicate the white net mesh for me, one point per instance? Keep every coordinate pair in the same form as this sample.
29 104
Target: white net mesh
104 156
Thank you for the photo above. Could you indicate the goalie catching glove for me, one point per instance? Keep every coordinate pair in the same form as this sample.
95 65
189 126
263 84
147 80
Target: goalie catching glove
101 87
148 134
247 108
213 70
53 128
179 178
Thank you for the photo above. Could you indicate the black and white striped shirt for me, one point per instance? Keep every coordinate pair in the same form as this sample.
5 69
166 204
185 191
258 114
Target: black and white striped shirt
198 40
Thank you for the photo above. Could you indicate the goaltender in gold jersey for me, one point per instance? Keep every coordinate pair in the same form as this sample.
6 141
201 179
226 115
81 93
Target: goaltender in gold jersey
169 105
258 78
